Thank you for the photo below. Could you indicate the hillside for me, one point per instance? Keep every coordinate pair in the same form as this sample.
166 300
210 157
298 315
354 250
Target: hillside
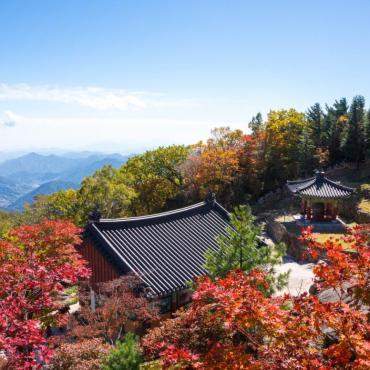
44 189
79 172
11 191
36 163
32 174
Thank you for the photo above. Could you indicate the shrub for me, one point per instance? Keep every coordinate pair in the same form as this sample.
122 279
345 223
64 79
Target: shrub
126 355
121 306
86 355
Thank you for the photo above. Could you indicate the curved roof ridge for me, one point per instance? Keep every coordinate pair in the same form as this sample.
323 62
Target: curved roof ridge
294 182
339 184
306 185
295 185
161 215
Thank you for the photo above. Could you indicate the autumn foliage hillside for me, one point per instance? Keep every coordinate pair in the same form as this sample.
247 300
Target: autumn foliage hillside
238 166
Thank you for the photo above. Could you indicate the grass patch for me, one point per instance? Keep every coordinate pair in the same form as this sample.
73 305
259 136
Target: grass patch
364 205
72 290
323 237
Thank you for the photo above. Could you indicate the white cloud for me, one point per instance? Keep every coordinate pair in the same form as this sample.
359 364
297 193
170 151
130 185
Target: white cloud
9 119
102 133
92 97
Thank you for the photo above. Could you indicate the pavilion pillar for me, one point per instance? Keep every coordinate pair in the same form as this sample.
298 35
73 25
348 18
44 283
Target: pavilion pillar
304 206
308 210
334 212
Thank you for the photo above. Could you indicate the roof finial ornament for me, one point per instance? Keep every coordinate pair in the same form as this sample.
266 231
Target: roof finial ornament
95 214
320 174
211 197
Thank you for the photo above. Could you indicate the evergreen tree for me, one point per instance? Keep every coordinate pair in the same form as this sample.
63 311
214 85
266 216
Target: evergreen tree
241 249
367 131
256 123
335 120
315 118
341 108
126 356
354 144
307 152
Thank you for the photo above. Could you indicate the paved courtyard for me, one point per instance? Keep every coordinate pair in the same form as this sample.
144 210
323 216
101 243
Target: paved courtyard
300 278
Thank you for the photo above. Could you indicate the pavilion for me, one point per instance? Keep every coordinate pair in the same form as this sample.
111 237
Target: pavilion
320 196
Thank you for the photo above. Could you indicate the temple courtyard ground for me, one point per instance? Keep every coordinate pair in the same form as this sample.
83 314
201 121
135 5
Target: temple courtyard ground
300 278
301 274
320 233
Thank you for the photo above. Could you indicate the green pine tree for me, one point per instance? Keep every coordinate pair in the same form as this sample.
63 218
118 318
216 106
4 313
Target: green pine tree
241 249
315 118
354 144
307 153
126 355
367 132
256 123
336 118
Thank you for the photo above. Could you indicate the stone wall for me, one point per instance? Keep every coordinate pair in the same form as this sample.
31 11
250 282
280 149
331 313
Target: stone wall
362 217
275 230
279 234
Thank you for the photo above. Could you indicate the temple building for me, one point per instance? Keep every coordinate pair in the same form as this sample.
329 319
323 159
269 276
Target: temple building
165 250
320 196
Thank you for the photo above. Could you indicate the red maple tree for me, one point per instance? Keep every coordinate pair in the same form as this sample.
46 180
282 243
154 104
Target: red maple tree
233 325
36 263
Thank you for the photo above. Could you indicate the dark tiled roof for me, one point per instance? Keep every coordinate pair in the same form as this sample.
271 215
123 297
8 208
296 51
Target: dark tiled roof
320 186
165 250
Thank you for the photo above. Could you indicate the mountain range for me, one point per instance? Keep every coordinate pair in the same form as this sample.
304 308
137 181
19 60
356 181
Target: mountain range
26 176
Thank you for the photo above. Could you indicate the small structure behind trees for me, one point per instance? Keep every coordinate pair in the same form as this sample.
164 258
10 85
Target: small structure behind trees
320 196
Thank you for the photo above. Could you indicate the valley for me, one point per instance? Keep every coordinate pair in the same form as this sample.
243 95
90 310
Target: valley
32 174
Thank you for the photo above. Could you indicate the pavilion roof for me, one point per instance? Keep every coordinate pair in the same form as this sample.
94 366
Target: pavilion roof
165 250
320 186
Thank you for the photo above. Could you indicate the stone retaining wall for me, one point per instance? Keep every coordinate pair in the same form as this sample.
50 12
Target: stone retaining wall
279 234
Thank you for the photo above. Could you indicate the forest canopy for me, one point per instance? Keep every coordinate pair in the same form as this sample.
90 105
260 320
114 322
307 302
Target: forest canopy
238 166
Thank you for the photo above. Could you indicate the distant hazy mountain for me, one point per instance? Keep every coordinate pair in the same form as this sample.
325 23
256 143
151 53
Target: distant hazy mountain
79 172
36 163
22 178
10 191
44 189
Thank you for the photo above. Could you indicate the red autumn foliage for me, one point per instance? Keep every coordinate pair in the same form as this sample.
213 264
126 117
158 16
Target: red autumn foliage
121 307
232 325
346 266
35 264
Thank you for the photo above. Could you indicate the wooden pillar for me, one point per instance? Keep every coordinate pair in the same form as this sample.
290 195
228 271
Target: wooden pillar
308 209
329 211
334 211
309 213
92 300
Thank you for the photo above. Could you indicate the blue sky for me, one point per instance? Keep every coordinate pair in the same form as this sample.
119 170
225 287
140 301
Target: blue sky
128 75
